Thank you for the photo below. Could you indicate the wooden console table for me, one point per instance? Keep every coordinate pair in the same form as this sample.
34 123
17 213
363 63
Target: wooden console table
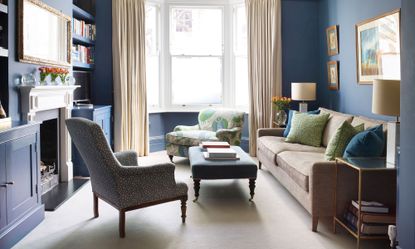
363 179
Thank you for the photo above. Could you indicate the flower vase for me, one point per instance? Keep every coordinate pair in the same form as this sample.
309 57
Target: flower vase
280 118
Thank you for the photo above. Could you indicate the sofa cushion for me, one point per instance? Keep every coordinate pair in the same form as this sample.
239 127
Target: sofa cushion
190 138
307 129
339 141
298 165
369 143
336 119
369 123
290 117
272 146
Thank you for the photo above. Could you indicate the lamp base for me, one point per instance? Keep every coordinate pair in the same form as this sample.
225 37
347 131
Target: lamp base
303 107
393 142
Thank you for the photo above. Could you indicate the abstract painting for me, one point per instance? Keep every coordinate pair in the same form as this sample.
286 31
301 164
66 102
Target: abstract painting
378 48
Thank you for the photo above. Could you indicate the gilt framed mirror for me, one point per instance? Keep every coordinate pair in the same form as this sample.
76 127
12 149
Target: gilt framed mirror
44 36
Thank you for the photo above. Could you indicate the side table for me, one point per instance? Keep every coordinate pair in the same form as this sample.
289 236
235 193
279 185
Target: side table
363 179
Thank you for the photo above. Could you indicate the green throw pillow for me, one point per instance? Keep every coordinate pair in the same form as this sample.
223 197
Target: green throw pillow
341 139
307 129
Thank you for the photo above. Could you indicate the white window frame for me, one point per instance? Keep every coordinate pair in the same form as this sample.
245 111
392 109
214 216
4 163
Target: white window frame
159 33
228 68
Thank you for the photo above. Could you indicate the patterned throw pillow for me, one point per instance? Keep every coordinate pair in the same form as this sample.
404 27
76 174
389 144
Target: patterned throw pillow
307 129
341 138
290 117
368 143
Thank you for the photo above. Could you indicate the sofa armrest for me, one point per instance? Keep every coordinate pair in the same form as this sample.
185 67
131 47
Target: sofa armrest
322 188
186 128
276 132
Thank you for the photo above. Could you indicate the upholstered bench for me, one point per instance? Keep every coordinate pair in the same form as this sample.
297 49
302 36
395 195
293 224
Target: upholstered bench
202 169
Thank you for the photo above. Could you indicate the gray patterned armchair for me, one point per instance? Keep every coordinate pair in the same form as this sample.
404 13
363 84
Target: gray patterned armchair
116 177
214 125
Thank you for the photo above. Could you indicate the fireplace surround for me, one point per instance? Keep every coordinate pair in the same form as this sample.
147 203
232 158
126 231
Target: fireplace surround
42 103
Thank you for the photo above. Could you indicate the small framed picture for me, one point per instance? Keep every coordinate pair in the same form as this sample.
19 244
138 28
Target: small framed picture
332 40
333 74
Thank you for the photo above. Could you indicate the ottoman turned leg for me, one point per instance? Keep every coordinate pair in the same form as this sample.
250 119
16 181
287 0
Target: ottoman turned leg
252 188
196 186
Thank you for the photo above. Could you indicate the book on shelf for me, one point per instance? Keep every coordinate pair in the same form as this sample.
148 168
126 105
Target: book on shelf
365 228
83 54
371 206
367 217
221 153
207 157
215 144
84 29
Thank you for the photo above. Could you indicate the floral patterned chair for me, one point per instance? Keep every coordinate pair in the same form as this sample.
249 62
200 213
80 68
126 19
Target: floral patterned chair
214 125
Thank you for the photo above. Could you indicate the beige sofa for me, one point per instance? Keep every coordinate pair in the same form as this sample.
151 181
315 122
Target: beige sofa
302 169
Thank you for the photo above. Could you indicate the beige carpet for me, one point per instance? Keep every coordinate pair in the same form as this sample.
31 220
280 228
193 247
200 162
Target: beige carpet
222 218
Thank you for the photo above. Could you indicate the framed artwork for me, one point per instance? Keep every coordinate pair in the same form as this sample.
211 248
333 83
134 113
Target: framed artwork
333 75
332 40
378 48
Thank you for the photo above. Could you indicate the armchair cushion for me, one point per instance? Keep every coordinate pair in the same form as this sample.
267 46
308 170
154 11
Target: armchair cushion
190 138
127 158
232 136
186 128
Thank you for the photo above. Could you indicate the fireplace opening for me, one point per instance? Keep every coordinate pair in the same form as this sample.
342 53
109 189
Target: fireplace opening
49 155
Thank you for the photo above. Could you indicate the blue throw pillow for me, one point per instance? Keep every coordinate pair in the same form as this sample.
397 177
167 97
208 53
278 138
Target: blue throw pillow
290 117
368 143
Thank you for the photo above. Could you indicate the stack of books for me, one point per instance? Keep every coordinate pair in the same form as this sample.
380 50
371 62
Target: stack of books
218 151
375 218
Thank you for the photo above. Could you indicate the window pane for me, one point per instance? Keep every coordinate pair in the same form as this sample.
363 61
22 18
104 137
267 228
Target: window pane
196 80
152 56
240 32
196 31
241 81
151 29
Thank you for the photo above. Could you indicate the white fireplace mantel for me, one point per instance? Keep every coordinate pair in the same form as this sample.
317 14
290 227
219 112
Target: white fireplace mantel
36 99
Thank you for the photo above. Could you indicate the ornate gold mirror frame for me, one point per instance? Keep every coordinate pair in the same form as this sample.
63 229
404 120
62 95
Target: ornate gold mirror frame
26 58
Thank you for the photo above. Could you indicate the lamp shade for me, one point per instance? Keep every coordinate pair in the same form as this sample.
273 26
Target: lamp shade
386 97
304 91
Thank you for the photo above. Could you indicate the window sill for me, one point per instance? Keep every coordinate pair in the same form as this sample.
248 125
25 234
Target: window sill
190 110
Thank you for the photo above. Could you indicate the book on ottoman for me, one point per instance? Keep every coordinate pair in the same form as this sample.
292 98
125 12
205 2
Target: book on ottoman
220 154
215 144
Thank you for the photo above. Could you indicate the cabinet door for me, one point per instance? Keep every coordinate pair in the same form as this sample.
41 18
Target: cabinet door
104 121
22 171
3 188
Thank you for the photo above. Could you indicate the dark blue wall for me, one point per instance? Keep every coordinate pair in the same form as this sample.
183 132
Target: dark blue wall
300 45
352 98
406 170
16 69
162 123
101 88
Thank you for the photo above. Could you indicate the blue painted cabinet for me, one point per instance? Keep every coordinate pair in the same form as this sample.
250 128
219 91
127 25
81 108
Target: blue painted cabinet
20 202
100 114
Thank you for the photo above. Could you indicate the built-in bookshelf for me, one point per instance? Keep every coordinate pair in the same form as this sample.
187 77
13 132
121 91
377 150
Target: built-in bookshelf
83 45
4 54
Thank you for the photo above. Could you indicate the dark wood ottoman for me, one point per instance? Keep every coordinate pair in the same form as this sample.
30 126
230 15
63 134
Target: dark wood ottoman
202 169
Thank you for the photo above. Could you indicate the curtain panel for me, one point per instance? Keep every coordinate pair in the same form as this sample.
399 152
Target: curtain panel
264 63
129 66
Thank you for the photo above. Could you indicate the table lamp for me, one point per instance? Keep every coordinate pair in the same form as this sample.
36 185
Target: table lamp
386 101
305 91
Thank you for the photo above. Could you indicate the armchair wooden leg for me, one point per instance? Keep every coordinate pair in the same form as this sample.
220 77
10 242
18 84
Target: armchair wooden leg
315 223
122 224
171 158
96 212
183 201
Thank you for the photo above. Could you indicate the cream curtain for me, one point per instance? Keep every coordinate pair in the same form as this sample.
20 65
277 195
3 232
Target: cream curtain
264 63
130 101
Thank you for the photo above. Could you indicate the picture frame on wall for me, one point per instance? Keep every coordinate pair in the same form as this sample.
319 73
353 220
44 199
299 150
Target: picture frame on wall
333 75
378 48
332 40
